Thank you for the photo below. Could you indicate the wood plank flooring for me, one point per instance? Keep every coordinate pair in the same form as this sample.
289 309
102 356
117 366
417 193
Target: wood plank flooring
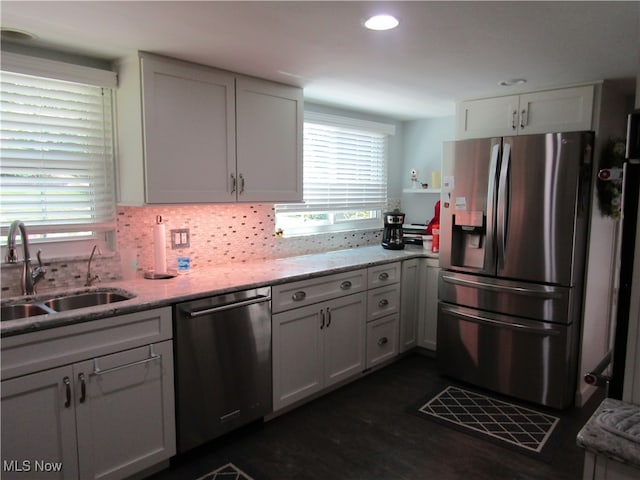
362 431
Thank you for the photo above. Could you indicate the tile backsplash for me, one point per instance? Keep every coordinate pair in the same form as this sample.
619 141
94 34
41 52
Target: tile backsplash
219 234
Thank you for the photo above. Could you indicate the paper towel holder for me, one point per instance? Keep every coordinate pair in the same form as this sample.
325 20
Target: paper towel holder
152 274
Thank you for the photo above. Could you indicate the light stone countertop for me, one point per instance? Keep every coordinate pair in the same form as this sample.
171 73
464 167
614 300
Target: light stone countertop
211 281
599 441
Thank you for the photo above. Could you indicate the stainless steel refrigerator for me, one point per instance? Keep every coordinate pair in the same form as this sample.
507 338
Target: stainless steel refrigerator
514 227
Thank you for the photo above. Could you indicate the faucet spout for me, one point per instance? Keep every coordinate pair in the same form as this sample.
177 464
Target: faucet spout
30 275
90 278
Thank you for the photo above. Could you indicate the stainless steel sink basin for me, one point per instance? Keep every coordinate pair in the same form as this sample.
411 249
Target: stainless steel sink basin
13 312
63 303
83 300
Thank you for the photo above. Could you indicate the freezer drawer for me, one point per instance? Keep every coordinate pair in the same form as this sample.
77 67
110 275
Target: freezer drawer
531 360
522 299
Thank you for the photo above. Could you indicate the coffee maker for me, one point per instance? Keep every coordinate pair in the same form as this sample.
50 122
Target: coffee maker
392 235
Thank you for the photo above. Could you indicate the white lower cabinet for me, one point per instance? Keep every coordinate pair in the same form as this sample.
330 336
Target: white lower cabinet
410 304
599 467
428 316
108 417
317 346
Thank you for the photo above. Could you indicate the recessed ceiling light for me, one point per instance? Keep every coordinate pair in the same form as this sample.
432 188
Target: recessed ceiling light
381 22
512 81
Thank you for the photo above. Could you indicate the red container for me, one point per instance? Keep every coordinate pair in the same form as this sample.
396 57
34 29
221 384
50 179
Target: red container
435 246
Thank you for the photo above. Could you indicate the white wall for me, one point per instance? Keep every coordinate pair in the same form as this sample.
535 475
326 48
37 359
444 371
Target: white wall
423 151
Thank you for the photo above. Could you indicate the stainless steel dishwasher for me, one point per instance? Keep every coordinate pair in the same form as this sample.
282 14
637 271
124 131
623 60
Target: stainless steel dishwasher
223 364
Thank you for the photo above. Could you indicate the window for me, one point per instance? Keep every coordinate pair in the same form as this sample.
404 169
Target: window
345 177
57 165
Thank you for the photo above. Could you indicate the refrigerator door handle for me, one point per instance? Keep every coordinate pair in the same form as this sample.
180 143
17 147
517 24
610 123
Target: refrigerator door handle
541 291
489 261
473 316
503 204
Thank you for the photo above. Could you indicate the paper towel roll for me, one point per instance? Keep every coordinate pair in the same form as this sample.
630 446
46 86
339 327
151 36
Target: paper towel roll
159 247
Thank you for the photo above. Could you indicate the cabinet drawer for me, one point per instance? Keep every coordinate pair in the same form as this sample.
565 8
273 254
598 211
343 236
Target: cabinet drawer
30 352
382 340
383 301
305 292
383 275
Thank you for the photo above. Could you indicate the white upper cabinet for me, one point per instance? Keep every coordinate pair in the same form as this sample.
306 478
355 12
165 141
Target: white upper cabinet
189 133
269 122
562 110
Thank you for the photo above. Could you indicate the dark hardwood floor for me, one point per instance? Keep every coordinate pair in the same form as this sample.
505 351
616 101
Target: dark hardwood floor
363 431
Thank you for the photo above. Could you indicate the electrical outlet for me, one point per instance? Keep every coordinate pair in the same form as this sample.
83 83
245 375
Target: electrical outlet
414 174
179 238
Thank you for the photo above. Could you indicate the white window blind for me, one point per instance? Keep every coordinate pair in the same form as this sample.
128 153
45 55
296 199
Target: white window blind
345 177
56 171
345 165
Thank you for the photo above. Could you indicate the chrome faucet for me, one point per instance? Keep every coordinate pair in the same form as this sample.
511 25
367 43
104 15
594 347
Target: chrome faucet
91 279
30 275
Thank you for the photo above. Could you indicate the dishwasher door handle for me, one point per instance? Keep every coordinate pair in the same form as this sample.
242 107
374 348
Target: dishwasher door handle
229 306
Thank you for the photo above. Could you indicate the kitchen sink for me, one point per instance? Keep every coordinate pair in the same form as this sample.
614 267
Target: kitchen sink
62 303
83 300
13 312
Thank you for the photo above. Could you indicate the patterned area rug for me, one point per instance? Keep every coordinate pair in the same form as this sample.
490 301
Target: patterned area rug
508 424
226 472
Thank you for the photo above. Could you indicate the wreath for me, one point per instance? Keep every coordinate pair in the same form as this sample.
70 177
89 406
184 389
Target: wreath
610 191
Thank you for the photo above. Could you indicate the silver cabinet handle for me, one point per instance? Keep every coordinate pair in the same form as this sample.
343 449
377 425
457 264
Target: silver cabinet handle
383 303
241 184
152 356
383 276
299 296
523 118
233 183
83 387
383 341
514 125
346 285
67 387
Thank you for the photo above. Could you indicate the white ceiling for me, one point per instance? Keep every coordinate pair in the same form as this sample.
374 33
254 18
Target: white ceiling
440 53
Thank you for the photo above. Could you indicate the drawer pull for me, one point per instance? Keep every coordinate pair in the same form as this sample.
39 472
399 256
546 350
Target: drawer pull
152 356
346 285
383 276
83 387
383 341
298 296
67 387
383 303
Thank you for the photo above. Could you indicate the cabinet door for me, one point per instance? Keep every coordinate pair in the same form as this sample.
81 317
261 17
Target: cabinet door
189 131
409 304
269 119
564 110
429 323
125 414
297 355
487 117
38 425
344 338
